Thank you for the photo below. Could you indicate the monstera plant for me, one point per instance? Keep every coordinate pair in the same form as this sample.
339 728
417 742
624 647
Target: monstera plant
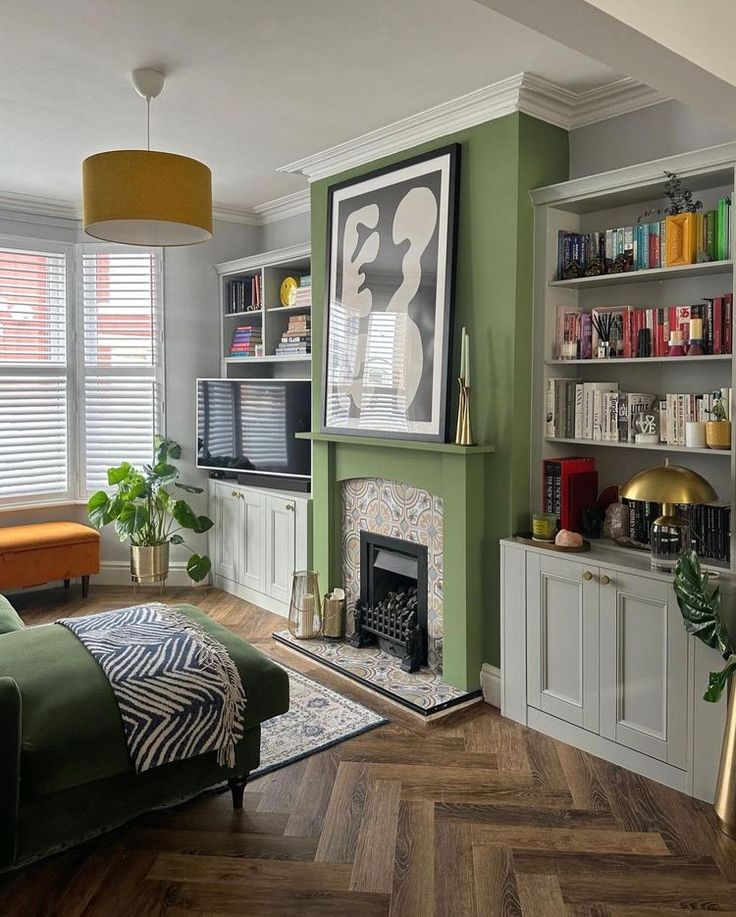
145 511
700 606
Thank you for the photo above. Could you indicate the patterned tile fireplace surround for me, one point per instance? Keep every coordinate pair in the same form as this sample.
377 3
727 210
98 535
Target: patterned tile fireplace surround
399 511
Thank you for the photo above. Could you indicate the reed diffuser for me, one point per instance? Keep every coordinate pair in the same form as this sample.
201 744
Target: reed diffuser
464 431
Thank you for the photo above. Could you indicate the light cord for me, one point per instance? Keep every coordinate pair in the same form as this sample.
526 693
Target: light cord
148 123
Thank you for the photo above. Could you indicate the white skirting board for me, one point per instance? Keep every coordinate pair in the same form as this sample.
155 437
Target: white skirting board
490 683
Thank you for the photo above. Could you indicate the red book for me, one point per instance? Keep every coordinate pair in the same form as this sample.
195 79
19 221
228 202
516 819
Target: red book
563 497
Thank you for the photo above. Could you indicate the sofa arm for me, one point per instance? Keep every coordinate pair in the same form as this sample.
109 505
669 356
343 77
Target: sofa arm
10 741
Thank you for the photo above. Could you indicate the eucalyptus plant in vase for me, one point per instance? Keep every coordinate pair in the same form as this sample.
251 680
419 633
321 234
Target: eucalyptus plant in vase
146 514
700 606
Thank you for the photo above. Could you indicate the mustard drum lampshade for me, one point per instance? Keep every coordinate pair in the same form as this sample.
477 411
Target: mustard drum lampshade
668 485
146 197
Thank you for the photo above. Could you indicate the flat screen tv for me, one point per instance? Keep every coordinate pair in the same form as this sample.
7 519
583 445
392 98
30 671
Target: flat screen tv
248 426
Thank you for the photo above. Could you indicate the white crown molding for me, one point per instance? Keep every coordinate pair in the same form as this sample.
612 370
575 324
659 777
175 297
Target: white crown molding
281 208
614 99
234 214
484 104
523 92
13 202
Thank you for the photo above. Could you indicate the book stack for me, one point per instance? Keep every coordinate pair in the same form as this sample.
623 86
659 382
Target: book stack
710 526
642 331
568 486
641 246
598 411
676 410
243 295
245 340
303 293
297 339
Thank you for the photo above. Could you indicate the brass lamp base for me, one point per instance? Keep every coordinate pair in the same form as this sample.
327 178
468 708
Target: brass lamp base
725 798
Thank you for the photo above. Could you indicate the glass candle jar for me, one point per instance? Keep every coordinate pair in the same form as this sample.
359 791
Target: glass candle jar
305 608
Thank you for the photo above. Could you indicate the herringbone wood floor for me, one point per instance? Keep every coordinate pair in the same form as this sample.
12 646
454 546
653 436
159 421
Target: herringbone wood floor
473 815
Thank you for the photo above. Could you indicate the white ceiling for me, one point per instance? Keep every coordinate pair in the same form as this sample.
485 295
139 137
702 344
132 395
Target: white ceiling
251 84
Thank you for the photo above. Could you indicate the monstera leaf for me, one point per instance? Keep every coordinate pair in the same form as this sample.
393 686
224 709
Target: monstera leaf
198 566
717 681
699 604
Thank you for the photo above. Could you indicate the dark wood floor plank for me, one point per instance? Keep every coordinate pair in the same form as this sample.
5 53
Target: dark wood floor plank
496 894
373 863
414 880
540 895
454 870
344 813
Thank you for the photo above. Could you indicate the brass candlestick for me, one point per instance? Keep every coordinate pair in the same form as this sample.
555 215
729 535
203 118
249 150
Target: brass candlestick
464 430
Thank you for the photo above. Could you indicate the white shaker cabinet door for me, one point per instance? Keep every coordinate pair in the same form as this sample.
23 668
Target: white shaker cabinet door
562 638
280 547
644 666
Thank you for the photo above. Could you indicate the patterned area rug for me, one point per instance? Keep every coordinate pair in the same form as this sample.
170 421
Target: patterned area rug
317 718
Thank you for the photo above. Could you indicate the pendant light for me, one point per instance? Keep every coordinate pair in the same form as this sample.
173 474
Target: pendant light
146 197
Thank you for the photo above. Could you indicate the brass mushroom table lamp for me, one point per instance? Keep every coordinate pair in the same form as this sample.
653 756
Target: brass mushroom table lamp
669 485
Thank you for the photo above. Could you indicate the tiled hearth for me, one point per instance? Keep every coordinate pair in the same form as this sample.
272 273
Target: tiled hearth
401 511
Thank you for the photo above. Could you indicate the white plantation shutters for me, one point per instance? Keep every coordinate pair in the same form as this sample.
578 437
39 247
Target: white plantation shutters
121 319
34 374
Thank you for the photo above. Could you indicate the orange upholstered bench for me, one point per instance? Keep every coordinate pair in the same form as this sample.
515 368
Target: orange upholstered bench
31 555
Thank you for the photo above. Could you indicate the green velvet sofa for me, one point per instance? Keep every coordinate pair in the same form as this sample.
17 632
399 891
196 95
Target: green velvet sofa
65 774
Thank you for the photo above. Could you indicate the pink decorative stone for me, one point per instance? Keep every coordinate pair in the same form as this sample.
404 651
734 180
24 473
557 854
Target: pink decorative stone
566 539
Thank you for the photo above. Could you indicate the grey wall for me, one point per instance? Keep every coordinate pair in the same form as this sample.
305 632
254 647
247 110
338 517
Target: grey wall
291 231
661 130
192 337
191 342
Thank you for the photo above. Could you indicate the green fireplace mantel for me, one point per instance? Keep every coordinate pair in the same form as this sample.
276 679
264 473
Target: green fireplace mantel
383 442
457 475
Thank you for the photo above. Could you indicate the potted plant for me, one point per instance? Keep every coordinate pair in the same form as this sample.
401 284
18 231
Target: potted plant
718 430
148 516
700 605
681 242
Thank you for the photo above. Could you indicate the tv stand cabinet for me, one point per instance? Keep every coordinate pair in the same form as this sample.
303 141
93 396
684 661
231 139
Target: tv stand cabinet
260 537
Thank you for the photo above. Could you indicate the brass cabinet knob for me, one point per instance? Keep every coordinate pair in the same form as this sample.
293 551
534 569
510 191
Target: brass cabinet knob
605 580
234 493
587 575
290 507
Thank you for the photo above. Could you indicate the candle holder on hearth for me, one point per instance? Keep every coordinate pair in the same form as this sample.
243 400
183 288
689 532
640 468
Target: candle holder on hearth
305 608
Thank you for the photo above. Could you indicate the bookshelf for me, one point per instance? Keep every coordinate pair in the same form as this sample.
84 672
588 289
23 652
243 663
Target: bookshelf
270 320
608 200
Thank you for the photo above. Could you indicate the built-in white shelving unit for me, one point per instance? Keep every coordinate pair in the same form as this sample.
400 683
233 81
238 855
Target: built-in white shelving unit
609 200
271 268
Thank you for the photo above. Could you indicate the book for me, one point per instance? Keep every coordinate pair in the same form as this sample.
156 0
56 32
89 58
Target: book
563 497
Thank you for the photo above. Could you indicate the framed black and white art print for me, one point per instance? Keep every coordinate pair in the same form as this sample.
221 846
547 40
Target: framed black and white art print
390 275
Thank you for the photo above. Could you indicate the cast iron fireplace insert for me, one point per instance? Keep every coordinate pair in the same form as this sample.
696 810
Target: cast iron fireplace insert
393 598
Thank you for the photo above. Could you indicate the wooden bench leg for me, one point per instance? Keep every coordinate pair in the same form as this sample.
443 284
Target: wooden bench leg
85 587
67 583
237 788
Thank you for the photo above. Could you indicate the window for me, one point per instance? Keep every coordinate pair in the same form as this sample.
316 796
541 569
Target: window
34 374
121 341
80 366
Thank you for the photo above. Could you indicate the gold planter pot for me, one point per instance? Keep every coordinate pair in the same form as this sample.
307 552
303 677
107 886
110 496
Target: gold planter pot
718 434
149 563
725 799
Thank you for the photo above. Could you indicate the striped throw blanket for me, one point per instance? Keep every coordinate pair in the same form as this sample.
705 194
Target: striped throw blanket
178 691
